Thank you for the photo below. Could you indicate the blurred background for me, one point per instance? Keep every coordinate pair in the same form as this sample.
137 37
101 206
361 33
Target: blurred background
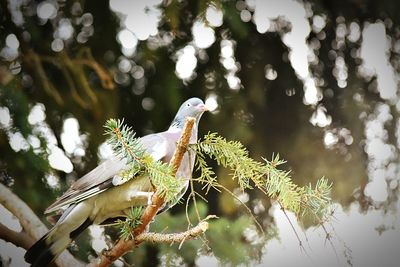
315 81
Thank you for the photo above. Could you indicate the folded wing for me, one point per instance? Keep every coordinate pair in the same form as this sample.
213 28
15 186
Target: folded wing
101 177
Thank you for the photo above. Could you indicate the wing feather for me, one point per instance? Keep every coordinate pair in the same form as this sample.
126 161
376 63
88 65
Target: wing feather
101 177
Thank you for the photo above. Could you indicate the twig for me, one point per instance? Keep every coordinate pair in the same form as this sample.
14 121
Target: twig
123 246
175 237
328 236
68 79
105 78
244 205
37 68
292 226
187 212
193 195
78 75
31 224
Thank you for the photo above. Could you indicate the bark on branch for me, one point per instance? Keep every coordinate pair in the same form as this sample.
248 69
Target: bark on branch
27 218
20 239
31 224
175 237
124 246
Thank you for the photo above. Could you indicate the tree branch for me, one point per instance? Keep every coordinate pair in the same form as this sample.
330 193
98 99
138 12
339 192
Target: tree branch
31 224
34 63
20 239
175 237
29 221
124 246
105 78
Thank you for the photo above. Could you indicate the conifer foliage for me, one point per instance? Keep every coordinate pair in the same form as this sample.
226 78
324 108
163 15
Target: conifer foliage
265 175
125 144
248 173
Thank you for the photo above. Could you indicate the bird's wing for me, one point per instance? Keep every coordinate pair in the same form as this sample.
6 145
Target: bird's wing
156 145
105 175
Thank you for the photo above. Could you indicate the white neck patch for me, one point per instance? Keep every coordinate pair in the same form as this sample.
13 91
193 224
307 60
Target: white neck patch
174 129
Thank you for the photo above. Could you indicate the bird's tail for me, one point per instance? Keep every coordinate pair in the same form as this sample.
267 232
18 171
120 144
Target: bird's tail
47 249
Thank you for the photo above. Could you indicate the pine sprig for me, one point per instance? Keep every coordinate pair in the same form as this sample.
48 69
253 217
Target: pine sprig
207 174
273 182
232 155
265 175
124 143
168 186
279 185
317 200
130 223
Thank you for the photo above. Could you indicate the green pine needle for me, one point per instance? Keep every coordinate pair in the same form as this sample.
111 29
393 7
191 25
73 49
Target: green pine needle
124 143
265 175
122 139
168 186
273 182
132 221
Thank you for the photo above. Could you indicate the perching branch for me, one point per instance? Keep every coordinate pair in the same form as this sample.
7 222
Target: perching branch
31 224
175 237
124 246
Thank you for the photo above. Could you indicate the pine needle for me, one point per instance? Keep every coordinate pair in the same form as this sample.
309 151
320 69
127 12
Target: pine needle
273 182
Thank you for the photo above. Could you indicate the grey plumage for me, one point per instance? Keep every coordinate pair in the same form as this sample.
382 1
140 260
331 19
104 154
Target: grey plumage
100 194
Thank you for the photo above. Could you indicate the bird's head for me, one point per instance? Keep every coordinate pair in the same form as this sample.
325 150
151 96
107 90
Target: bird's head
193 107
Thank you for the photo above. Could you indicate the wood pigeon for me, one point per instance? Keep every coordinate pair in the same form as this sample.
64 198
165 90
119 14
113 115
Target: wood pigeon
101 195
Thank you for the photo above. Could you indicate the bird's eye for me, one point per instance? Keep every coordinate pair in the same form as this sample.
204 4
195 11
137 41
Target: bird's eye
188 104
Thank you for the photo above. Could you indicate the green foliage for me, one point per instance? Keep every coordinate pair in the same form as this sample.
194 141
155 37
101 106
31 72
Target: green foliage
134 169
265 175
273 182
17 103
161 174
207 177
130 223
317 199
126 145
234 156
122 139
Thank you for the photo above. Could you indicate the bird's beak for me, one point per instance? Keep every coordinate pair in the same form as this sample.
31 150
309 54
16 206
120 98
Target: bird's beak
202 107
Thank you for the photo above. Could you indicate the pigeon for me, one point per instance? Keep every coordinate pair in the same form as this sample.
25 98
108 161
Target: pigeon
100 195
